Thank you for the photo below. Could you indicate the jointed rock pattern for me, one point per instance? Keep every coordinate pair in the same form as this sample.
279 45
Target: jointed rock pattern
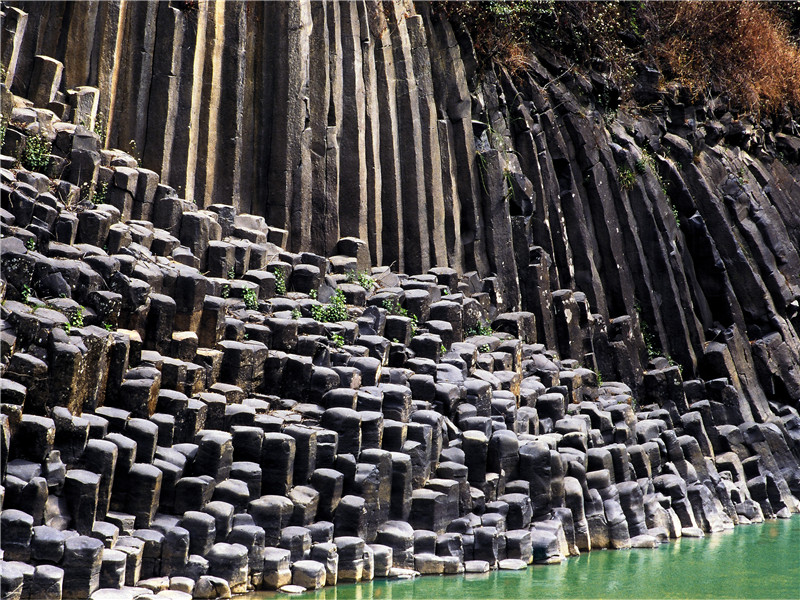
198 401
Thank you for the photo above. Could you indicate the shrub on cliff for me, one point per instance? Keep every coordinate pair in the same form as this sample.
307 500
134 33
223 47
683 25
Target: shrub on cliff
748 50
604 34
741 48
35 154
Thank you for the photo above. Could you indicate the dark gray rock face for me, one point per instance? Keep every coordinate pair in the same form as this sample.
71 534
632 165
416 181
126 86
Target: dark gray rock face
587 337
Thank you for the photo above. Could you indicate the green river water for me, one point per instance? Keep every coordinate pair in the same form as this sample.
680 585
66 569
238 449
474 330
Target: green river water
752 561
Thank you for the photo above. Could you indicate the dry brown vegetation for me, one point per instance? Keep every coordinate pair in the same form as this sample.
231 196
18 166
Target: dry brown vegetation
741 48
744 50
505 32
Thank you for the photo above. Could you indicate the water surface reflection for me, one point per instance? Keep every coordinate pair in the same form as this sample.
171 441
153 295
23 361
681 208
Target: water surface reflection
753 561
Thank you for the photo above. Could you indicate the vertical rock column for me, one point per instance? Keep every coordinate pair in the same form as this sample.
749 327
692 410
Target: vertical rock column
562 271
165 90
372 22
392 243
229 119
498 229
290 42
523 129
253 139
132 98
26 48
184 145
450 199
352 158
14 24
597 198
324 146
412 170
576 231
660 279
209 107
106 54
451 87
81 33
429 129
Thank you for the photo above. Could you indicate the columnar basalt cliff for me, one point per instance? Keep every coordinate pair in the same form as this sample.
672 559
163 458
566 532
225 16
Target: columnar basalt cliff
210 383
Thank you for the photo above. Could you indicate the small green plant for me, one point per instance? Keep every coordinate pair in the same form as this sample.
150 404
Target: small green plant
67 327
442 350
609 115
100 128
393 308
366 281
445 291
627 178
481 329
313 294
482 166
337 339
741 176
250 297
331 313
3 127
100 193
134 152
296 314
76 318
231 273
650 343
673 363
484 348
280 282
226 291
676 215
362 278
26 293
108 327
648 160
86 194
35 155
30 244
508 178
599 378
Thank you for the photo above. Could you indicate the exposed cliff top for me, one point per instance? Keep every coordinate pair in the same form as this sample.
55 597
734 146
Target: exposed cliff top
744 54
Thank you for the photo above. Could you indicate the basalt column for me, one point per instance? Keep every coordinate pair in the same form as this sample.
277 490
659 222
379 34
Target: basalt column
412 170
289 34
324 58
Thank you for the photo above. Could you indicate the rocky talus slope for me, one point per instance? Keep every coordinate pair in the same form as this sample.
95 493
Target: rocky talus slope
586 336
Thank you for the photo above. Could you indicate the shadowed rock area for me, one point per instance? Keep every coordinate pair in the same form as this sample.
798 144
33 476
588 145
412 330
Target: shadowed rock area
345 308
